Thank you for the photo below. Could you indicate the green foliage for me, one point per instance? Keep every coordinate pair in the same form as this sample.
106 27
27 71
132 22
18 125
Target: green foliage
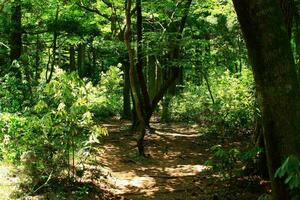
45 137
109 102
226 161
233 105
14 94
265 197
290 171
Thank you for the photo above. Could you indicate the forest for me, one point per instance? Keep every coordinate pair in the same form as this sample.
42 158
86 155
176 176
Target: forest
149 99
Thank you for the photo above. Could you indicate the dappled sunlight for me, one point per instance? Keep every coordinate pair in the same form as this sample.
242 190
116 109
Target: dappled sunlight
176 134
185 170
178 170
124 182
8 183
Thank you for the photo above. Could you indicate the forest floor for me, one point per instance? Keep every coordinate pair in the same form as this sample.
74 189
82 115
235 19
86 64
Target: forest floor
8 181
175 167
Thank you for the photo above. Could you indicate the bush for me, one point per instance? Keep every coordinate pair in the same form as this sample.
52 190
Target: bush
109 102
290 171
233 105
46 137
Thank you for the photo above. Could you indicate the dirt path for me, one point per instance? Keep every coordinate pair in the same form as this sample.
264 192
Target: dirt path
174 170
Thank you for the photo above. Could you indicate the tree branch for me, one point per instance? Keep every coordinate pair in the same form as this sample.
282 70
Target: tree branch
93 10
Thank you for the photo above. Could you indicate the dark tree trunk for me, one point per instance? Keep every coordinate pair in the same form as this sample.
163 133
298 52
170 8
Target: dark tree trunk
54 48
133 84
72 61
151 77
16 31
81 60
126 92
269 51
142 83
37 58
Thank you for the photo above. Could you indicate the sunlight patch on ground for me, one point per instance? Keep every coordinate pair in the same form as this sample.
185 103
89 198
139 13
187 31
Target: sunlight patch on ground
176 134
180 170
8 184
127 181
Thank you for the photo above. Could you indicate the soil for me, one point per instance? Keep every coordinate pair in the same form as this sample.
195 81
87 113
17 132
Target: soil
174 168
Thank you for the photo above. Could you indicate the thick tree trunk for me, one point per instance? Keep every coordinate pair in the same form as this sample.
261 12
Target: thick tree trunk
269 50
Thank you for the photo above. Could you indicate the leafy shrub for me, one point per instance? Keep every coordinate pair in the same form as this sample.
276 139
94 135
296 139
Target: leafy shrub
46 137
109 102
233 105
225 161
14 94
290 171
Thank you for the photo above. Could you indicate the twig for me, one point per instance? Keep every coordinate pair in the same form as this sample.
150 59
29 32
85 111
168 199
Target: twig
49 177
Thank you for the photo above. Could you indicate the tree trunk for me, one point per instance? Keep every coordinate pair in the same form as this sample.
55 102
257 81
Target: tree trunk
269 51
142 83
133 84
126 92
16 31
81 60
54 48
72 66
151 77
37 58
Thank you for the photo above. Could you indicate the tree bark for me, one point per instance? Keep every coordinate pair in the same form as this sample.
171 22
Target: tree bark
142 83
16 31
54 48
81 60
269 51
151 77
126 92
133 84
72 66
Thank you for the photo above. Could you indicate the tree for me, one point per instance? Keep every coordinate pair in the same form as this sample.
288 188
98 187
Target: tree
269 50
16 31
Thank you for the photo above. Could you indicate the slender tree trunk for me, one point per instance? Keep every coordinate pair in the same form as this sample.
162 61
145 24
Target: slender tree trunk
269 51
151 77
133 84
142 83
159 79
72 61
81 60
16 31
54 48
126 92
204 75
37 58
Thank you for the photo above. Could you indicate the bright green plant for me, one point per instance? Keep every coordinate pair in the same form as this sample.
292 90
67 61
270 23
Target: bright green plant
109 102
233 107
290 171
226 161
46 138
